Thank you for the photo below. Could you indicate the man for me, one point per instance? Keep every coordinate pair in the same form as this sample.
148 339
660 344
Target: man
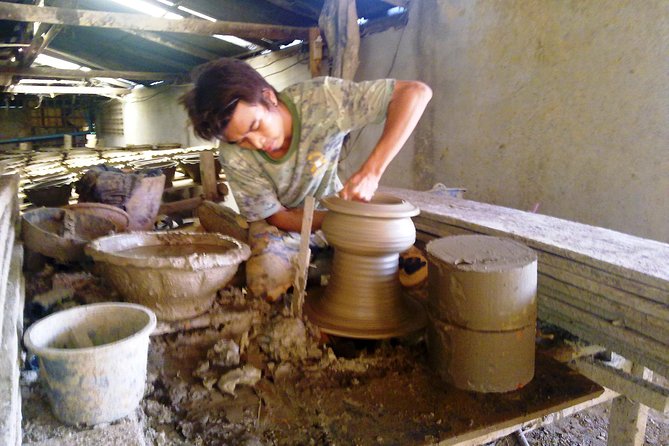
278 148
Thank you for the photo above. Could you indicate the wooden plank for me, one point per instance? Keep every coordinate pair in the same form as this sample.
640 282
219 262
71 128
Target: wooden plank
655 326
141 22
187 204
526 423
596 275
10 335
624 291
39 72
627 421
43 36
302 260
617 343
634 387
5 265
614 330
631 257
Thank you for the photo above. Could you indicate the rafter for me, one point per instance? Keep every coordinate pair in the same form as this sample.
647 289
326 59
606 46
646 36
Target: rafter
43 36
139 22
182 47
78 74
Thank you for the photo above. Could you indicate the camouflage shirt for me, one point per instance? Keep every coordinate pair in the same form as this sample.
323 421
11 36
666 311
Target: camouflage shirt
324 110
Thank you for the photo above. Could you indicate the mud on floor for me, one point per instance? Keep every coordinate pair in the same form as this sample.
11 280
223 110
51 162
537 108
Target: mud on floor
256 376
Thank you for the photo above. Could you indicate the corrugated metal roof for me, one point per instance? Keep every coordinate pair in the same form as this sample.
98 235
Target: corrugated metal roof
145 51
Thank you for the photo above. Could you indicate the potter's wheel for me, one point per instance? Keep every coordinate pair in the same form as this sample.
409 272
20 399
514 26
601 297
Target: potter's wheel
364 320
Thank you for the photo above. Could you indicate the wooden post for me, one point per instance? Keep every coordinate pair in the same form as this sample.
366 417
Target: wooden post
315 51
302 261
67 142
627 422
208 175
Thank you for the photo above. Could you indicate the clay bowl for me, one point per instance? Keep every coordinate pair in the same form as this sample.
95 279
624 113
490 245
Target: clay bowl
190 165
51 193
168 167
61 234
176 274
117 216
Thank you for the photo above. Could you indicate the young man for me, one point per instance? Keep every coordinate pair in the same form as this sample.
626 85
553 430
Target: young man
278 148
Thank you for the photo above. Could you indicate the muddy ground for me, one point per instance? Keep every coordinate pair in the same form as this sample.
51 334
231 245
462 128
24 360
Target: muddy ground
260 377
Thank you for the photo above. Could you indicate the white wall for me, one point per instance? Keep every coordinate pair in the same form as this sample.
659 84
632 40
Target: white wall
561 103
154 115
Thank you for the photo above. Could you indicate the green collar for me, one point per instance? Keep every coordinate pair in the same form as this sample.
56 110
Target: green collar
295 138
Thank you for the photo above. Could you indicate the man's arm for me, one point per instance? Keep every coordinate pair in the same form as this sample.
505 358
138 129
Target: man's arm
406 106
291 220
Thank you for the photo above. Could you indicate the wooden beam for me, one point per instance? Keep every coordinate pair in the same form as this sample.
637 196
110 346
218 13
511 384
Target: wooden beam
627 422
182 46
39 72
139 22
315 51
43 36
75 59
44 89
635 387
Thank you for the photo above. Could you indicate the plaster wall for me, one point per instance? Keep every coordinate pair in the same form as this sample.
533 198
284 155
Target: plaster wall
560 105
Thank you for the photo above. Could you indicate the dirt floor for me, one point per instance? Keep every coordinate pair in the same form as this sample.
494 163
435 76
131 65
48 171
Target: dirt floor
254 375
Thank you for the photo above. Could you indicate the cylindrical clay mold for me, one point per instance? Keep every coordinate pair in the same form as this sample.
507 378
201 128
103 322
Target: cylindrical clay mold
479 360
482 283
482 304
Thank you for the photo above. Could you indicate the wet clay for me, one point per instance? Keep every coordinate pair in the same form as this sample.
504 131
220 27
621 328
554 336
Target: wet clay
482 283
364 297
176 274
482 304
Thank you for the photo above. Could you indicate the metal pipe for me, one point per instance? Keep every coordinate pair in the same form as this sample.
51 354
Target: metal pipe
42 137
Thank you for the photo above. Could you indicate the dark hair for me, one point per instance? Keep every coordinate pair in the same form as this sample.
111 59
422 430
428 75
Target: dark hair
219 86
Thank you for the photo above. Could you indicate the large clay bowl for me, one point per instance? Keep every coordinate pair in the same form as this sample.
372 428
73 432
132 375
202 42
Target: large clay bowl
190 164
176 274
166 166
49 193
117 216
61 234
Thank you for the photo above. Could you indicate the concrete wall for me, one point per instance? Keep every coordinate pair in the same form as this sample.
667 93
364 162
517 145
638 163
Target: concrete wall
564 104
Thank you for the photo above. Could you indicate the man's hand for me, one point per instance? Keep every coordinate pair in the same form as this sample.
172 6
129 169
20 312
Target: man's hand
360 187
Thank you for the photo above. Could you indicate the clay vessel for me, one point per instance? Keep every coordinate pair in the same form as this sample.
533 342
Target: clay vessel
176 274
117 216
364 298
49 193
190 165
61 234
143 204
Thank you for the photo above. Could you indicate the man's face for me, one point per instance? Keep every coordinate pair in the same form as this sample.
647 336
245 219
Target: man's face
256 127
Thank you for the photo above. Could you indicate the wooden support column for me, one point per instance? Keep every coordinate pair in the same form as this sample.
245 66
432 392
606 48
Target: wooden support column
627 422
303 257
315 51
208 175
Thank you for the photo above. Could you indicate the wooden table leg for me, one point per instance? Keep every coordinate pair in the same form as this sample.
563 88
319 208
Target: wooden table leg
627 422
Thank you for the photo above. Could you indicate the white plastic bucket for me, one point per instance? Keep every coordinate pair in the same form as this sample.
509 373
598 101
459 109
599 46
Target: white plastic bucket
103 380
